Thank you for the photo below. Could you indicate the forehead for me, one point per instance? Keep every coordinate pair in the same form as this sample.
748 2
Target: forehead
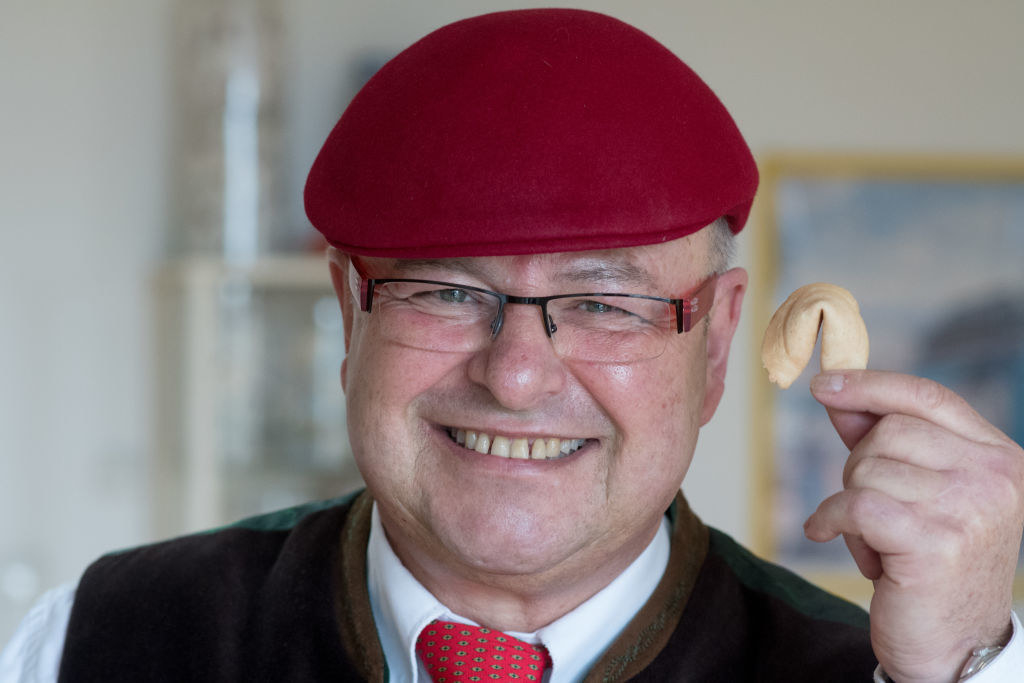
668 264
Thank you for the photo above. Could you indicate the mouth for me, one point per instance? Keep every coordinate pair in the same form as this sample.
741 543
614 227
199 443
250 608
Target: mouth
518 448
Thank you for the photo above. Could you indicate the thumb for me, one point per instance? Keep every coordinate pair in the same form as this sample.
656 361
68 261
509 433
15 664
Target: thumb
851 425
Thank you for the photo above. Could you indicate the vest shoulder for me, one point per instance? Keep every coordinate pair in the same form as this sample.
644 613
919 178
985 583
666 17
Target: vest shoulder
237 552
286 518
749 619
774 581
244 600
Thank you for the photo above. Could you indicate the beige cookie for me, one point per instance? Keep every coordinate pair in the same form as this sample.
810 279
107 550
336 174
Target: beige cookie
789 339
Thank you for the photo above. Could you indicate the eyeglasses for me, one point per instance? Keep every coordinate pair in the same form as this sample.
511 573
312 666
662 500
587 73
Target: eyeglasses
596 327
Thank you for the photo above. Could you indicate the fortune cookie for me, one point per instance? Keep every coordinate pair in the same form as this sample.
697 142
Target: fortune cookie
792 331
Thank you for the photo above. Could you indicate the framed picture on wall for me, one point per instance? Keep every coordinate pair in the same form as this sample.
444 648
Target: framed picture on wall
933 249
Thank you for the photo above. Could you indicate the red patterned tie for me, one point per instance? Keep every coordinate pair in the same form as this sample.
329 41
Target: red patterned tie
456 652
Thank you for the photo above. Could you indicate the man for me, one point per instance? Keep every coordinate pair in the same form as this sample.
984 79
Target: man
528 214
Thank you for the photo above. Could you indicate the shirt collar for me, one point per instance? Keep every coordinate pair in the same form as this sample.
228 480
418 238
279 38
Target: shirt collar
402 607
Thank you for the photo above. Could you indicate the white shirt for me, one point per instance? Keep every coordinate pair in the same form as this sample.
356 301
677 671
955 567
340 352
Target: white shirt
33 654
402 607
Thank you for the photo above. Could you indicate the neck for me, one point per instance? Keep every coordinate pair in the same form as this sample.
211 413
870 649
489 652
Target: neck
510 601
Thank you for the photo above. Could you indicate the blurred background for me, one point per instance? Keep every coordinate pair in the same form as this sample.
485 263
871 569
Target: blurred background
169 347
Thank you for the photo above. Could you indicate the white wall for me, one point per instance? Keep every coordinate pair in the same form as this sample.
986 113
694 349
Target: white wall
83 166
82 203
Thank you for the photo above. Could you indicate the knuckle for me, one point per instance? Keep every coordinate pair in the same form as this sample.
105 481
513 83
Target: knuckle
929 395
1014 466
892 427
861 472
993 510
863 506
1002 483
1005 491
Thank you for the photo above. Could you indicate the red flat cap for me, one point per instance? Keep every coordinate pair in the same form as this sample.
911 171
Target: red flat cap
525 132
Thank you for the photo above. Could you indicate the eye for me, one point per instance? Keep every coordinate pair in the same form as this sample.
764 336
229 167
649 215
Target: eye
453 296
600 307
610 312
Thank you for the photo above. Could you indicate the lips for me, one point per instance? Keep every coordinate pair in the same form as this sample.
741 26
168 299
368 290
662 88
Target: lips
521 448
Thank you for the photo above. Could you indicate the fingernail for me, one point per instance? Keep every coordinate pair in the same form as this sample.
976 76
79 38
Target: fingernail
828 383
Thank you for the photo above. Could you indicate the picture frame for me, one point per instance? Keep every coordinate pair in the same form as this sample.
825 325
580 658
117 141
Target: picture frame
933 249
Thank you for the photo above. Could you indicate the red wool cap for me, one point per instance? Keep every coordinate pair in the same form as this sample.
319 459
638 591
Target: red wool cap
525 132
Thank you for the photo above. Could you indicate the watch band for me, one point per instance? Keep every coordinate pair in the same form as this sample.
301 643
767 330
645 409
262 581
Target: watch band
979 659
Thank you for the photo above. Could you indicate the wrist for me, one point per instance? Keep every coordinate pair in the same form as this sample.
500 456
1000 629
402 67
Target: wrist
980 659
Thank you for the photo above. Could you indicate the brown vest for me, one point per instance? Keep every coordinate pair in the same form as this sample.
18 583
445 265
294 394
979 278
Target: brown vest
283 597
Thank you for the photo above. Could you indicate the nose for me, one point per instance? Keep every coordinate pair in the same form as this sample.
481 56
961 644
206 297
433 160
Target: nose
519 366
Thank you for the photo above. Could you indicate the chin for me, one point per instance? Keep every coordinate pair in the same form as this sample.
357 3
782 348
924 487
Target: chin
512 541
498 560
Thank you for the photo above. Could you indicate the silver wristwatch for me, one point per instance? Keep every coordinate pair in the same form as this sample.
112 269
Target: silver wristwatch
980 659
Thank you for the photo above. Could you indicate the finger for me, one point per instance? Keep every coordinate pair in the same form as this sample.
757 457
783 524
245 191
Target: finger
851 426
897 479
881 393
868 561
880 521
916 442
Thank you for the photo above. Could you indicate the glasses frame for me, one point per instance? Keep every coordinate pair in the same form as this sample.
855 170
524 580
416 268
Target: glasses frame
689 309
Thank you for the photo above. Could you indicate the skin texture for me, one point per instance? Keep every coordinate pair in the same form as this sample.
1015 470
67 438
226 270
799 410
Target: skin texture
516 544
931 507
932 510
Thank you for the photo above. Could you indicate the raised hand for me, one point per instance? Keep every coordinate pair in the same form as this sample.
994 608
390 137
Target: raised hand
932 511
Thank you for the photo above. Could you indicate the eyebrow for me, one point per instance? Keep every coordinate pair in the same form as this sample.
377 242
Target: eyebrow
406 266
601 270
594 270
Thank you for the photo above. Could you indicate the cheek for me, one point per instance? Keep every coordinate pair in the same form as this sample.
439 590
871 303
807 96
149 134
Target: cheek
384 382
655 408
669 389
378 383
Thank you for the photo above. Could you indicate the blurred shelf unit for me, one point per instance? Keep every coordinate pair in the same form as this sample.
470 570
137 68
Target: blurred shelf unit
250 411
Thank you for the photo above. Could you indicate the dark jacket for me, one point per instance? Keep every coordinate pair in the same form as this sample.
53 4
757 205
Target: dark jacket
283 597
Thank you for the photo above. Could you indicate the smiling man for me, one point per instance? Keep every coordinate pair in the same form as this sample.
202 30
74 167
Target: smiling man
530 215
525 470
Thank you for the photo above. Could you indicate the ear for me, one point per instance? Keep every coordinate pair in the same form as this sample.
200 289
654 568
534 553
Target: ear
724 317
339 264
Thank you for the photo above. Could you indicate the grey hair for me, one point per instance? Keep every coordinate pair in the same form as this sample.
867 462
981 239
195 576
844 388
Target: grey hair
721 246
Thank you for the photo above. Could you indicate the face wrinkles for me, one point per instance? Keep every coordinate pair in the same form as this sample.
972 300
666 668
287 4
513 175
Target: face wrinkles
605 271
571 413
450 511
620 273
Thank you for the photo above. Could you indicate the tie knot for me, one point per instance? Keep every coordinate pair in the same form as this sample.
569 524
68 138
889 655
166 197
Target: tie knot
457 652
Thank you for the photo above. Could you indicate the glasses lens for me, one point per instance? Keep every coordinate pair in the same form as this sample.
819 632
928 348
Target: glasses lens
610 328
438 317
607 328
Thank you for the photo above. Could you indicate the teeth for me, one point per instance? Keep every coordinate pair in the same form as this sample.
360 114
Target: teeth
539 450
517 448
520 449
500 446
